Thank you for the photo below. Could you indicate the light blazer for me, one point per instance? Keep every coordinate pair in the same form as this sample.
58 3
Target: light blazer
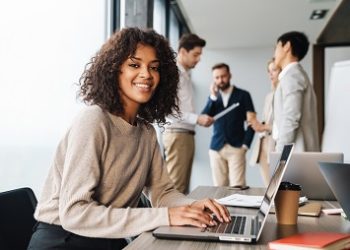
268 119
295 111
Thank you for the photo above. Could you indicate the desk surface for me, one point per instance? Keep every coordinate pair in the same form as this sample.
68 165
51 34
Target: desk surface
270 232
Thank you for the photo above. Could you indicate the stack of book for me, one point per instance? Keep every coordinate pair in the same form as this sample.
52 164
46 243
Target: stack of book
313 240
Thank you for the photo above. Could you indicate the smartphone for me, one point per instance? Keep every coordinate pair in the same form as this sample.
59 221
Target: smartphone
239 187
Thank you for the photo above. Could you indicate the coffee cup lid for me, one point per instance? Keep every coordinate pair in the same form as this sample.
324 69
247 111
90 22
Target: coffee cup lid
285 185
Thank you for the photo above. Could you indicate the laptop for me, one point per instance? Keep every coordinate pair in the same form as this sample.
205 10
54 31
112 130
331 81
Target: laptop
243 227
303 169
337 177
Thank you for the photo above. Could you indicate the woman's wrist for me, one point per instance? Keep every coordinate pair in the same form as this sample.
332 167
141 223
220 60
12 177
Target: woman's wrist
267 128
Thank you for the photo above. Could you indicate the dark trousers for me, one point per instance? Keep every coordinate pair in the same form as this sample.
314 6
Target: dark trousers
47 236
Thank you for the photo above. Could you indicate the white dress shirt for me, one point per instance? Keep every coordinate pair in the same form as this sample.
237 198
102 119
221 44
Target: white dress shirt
224 95
188 117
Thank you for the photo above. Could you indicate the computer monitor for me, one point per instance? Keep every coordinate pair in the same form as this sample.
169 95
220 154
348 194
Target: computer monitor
304 170
337 176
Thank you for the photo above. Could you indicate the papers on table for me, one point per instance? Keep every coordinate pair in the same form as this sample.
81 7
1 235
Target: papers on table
225 111
241 200
303 200
330 211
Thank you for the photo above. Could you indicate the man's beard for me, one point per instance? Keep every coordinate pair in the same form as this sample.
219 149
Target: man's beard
224 86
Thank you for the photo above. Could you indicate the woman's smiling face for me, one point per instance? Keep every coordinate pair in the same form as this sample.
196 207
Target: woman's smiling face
139 76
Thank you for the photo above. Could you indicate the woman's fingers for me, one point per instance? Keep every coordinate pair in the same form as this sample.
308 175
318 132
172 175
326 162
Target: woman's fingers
219 210
187 215
223 210
199 214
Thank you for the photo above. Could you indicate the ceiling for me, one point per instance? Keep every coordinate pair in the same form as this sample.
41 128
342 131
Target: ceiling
253 23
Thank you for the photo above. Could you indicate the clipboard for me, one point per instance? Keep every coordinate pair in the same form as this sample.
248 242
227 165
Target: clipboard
225 111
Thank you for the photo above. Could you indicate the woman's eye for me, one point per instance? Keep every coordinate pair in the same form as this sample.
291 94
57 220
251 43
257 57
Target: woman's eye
134 65
154 68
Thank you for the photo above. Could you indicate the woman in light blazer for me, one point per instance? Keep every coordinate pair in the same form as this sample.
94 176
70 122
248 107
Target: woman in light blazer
265 143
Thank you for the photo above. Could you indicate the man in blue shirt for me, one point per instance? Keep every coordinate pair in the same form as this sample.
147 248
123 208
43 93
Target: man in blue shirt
231 138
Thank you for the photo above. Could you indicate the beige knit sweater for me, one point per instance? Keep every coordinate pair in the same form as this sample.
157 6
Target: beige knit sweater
99 171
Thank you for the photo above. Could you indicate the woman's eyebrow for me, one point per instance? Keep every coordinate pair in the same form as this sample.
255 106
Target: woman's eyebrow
140 59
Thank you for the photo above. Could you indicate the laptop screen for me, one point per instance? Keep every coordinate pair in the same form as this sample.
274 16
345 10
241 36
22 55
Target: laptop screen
273 185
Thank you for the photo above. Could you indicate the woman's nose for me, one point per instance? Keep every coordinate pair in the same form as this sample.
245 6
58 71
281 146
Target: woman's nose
145 73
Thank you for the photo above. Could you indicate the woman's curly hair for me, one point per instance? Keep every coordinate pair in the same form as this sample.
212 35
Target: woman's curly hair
99 84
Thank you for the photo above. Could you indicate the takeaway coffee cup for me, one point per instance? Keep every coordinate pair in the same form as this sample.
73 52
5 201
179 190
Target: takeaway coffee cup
287 203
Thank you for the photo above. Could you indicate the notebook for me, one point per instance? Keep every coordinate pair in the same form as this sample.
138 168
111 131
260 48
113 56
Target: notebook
312 241
337 177
248 227
303 169
312 209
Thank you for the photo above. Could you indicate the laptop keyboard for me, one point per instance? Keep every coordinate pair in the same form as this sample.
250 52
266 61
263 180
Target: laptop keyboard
236 226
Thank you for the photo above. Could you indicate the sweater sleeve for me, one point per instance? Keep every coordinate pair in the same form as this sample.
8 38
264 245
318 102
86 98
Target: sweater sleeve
79 212
159 188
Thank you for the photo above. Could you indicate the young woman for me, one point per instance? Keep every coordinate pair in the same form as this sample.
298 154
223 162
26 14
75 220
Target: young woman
266 144
110 155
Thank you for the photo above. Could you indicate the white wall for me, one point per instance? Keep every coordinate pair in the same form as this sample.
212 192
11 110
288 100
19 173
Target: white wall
44 48
332 55
249 71
336 136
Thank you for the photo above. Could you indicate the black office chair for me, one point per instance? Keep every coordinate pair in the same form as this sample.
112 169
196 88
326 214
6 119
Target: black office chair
16 218
144 201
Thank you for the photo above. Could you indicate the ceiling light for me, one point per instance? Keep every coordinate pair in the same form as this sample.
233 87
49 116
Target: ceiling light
318 14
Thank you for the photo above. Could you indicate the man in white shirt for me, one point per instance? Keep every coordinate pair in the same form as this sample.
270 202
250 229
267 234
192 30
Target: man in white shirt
295 107
178 137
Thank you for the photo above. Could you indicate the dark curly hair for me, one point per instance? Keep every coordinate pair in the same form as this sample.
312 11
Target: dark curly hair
99 84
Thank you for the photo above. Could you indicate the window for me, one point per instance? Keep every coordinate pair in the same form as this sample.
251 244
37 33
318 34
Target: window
44 48
159 16
174 30
176 24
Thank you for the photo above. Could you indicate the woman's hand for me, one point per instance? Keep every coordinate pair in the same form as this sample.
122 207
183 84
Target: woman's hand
199 214
211 206
258 126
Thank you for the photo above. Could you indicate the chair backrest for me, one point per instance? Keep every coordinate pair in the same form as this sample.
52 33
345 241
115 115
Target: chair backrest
16 218
144 201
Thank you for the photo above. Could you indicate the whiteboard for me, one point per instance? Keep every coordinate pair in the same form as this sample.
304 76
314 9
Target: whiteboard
336 136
